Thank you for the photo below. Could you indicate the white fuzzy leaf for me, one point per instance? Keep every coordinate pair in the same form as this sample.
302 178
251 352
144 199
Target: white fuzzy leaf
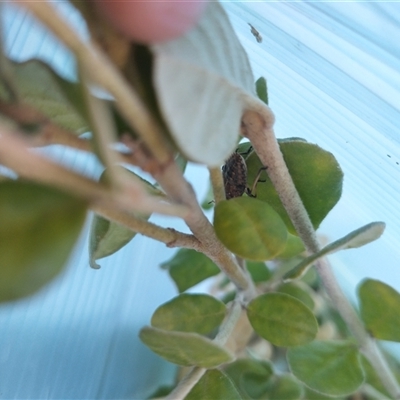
202 80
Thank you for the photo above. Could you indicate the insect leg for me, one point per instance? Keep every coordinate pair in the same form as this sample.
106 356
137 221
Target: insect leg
252 191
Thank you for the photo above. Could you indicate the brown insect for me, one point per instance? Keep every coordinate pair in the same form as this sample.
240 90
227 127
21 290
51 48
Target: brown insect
255 33
234 173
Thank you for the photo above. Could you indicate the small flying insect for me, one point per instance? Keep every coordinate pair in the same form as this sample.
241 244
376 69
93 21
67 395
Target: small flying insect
255 33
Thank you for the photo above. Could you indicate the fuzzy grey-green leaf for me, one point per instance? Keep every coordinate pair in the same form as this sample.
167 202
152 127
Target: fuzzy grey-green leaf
207 66
315 173
250 376
250 228
330 367
57 98
379 308
189 267
282 319
182 348
300 291
198 313
284 387
214 384
107 237
354 239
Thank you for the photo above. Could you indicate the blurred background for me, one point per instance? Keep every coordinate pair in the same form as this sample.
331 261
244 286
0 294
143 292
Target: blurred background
333 79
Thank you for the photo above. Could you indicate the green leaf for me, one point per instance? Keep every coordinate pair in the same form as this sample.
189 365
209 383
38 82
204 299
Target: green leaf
250 376
315 173
60 100
282 319
214 384
299 291
184 348
376 297
330 367
354 239
208 201
284 387
262 90
199 313
38 230
200 68
310 394
189 267
294 246
161 392
250 228
107 237
259 271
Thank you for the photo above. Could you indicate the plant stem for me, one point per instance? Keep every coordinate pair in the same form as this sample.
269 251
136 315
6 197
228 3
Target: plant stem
48 132
375 357
170 237
15 154
217 183
102 127
179 190
186 384
258 127
104 73
228 326
225 331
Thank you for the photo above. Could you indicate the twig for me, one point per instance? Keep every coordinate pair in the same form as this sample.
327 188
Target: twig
103 129
186 384
104 73
178 189
226 329
257 125
48 133
170 237
217 183
15 154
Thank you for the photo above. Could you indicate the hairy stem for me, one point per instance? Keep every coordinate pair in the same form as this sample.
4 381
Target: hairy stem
178 189
170 237
258 127
103 128
107 76
217 183
48 133
187 384
15 154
